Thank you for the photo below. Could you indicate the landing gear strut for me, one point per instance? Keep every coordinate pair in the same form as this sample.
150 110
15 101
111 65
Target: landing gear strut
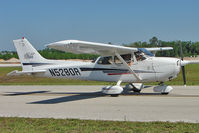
135 87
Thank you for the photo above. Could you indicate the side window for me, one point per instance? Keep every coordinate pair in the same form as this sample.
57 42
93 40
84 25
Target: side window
105 60
127 58
139 56
116 60
93 61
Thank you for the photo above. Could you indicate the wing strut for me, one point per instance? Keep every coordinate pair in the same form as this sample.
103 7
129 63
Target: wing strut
129 68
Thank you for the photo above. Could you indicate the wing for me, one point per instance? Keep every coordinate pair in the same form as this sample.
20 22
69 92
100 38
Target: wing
79 47
159 49
83 47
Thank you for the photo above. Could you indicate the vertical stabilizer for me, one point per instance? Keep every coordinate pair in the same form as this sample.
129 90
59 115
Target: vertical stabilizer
28 55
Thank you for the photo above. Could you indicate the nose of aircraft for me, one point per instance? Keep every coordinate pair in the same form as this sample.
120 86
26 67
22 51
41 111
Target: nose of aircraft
184 62
178 65
182 65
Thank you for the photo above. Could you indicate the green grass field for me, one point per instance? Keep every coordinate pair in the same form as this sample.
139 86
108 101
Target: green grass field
46 125
192 76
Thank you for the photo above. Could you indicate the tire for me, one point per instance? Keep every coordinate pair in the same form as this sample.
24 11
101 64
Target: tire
164 93
114 95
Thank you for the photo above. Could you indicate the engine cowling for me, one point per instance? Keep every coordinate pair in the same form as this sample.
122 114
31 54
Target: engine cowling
112 90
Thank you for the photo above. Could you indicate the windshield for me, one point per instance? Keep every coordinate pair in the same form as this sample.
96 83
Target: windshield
145 51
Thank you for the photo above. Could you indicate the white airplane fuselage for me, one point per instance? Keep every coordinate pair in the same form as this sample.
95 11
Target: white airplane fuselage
152 69
116 64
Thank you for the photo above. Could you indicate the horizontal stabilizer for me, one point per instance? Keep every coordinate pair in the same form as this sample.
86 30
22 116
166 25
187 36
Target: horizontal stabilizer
16 72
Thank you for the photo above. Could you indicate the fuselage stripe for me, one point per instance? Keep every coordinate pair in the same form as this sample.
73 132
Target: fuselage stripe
101 69
118 73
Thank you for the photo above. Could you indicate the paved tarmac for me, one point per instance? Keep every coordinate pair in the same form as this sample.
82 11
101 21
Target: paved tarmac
86 102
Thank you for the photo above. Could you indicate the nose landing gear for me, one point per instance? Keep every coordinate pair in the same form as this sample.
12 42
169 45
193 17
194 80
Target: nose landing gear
163 89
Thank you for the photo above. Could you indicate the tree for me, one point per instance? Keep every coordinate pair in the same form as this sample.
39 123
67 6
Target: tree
154 41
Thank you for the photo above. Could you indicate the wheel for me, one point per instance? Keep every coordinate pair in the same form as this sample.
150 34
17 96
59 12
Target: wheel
115 95
136 90
164 93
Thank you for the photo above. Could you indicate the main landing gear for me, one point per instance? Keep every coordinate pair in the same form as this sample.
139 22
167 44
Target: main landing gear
114 91
135 87
163 89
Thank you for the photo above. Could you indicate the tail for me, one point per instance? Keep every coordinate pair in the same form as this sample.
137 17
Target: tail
28 55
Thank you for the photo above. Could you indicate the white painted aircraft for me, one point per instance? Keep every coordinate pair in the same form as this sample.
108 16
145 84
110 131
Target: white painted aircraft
133 66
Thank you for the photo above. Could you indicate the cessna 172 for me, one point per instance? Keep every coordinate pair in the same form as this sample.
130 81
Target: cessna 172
133 66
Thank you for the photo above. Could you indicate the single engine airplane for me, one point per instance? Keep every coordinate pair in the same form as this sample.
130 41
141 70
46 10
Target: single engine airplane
133 66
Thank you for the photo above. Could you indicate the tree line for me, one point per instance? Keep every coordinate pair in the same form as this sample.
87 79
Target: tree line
189 49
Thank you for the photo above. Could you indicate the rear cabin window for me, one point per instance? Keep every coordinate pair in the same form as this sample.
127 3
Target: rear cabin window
105 60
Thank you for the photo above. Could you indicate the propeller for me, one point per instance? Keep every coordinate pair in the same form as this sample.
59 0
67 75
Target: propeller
183 63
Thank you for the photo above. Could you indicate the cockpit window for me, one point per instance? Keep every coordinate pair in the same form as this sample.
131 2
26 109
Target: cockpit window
139 56
105 60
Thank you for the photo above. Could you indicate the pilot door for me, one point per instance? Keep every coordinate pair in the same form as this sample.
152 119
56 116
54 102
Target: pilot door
143 66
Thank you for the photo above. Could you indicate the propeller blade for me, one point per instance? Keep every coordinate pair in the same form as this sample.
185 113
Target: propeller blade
181 52
183 74
183 63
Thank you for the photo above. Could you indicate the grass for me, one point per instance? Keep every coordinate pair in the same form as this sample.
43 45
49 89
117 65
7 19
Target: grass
46 125
192 76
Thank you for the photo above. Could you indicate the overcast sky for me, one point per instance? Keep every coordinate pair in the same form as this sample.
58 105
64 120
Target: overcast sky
116 21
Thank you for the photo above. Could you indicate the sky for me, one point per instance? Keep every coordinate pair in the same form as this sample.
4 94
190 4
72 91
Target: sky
115 21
